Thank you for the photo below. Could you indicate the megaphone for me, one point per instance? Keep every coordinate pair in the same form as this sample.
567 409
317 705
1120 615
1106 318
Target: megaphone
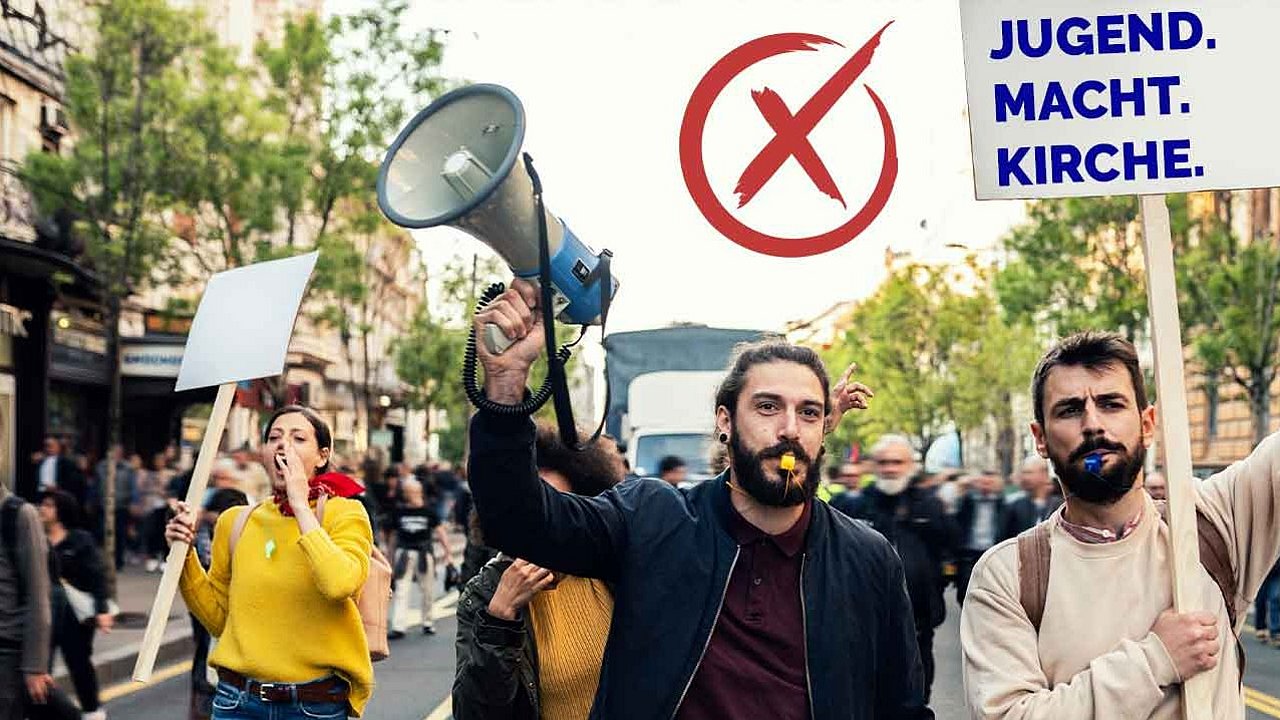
456 163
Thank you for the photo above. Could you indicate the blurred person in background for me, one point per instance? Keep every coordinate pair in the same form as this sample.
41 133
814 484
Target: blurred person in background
981 519
53 470
446 485
1157 486
418 528
1038 500
126 482
26 629
254 480
79 604
950 490
152 510
671 470
918 526
844 495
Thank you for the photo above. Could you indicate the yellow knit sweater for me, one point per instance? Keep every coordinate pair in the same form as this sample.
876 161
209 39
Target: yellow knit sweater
570 626
287 613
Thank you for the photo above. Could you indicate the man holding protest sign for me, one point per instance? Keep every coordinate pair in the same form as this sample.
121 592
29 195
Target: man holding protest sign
1072 619
1101 98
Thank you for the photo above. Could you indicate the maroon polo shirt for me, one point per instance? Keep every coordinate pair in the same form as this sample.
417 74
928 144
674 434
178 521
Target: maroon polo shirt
755 664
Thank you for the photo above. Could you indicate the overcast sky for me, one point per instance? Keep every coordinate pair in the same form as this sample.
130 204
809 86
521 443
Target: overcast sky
605 85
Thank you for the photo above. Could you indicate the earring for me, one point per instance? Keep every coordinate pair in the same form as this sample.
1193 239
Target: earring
724 437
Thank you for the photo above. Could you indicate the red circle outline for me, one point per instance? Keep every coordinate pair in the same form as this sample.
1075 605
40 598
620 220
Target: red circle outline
694 124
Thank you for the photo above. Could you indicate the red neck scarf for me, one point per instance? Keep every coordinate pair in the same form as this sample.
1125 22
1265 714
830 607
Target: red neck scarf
329 484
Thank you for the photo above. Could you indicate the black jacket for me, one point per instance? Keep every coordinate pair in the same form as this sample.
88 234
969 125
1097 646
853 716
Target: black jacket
80 563
965 517
496 676
916 523
669 556
1023 514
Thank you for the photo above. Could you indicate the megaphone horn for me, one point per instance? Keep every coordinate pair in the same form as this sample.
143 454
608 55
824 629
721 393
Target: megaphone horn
457 163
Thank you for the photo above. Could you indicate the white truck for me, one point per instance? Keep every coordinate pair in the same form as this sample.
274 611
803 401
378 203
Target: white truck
662 386
672 412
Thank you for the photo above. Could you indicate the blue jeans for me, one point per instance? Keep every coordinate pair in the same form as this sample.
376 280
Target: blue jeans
230 703
1266 606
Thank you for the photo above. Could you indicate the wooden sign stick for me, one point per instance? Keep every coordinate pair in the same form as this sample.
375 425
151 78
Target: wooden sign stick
1184 551
178 551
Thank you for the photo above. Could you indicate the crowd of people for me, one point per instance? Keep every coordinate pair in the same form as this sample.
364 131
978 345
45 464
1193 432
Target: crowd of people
770 590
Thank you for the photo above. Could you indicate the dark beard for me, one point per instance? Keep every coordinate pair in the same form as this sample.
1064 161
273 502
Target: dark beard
1103 488
748 472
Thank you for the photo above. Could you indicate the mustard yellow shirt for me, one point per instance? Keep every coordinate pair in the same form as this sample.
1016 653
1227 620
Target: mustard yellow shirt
287 613
570 627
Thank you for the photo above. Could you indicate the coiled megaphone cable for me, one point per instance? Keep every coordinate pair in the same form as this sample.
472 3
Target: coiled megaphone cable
470 364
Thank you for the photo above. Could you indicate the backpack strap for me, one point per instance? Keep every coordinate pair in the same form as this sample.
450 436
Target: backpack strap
1217 562
1213 557
238 529
1033 571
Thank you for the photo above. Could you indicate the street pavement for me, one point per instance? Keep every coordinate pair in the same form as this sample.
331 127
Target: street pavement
1261 678
414 683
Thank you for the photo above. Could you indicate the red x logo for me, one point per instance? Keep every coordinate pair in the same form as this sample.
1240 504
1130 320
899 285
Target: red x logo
792 132
796 143
791 139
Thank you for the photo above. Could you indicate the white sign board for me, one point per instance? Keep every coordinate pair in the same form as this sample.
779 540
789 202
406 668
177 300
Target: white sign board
241 330
1106 97
156 361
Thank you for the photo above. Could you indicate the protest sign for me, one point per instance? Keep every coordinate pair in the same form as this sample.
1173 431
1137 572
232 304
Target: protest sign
241 331
1112 98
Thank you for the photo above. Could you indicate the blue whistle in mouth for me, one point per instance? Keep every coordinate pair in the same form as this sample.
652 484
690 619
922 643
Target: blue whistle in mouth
1093 463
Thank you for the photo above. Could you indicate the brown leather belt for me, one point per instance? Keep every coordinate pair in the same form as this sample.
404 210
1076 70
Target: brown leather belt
333 689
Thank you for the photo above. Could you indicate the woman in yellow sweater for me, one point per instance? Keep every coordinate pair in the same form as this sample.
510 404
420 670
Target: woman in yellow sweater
530 641
291 643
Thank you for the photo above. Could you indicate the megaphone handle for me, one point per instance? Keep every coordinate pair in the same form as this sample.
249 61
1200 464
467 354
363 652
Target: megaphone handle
495 341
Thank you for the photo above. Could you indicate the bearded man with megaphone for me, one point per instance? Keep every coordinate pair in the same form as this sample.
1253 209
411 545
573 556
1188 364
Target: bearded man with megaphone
743 597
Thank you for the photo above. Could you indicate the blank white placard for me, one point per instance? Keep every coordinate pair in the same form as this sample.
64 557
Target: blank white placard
242 328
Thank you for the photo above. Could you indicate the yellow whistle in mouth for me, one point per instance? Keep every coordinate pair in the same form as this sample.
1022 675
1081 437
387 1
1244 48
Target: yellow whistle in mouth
787 462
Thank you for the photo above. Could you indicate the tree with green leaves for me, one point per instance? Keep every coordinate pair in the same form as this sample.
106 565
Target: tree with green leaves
992 372
124 96
358 290
1076 263
372 74
236 173
1229 295
933 345
277 153
282 159
429 355
886 334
